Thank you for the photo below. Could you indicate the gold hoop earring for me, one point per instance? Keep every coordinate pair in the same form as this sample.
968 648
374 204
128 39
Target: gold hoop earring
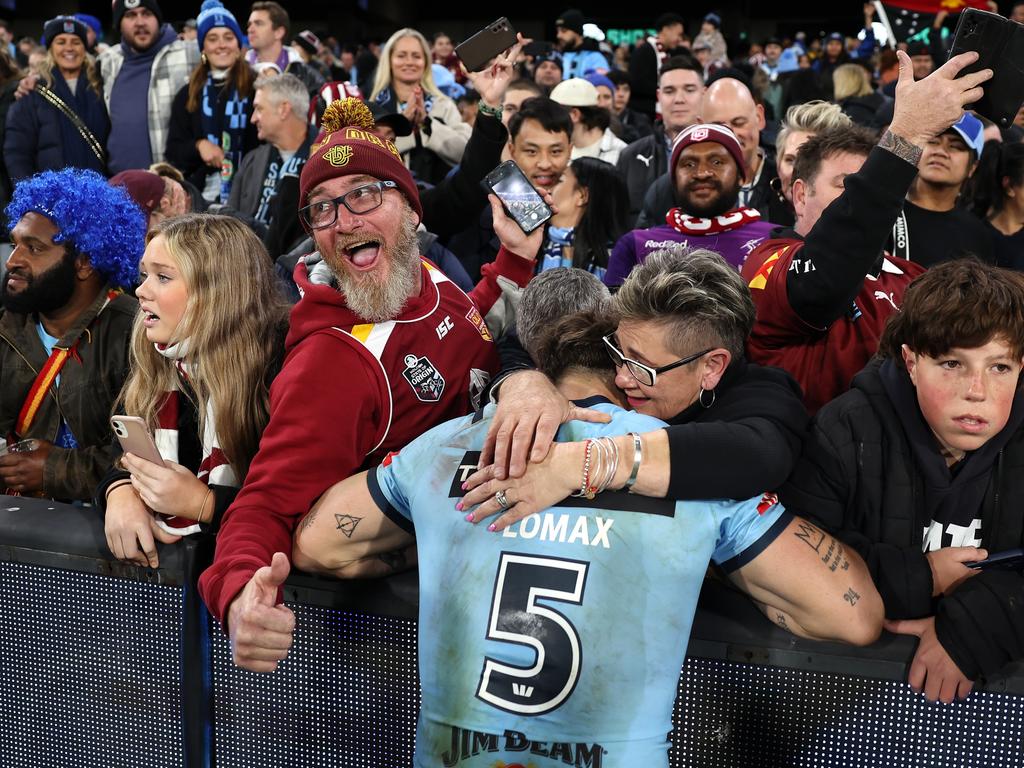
202 58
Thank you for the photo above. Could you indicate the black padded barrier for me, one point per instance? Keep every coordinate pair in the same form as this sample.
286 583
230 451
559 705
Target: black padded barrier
106 664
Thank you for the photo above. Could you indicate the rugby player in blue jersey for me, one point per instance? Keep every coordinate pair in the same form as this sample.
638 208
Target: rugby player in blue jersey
559 640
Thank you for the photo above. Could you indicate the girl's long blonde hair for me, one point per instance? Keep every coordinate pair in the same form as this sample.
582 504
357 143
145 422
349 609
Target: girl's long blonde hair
234 321
382 79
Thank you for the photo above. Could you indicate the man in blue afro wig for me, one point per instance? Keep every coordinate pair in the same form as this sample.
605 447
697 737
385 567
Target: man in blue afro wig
65 329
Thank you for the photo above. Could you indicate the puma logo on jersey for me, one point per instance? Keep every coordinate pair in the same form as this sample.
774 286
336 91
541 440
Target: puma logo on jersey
549 526
645 160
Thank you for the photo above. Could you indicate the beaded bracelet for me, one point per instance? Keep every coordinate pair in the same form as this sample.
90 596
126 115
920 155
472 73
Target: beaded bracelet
586 490
488 110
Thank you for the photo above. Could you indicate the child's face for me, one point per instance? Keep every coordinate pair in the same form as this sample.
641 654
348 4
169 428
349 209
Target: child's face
965 395
162 294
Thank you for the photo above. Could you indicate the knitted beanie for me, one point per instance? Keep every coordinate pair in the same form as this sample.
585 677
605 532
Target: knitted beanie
698 134
123 6
214 14
346 146
65 25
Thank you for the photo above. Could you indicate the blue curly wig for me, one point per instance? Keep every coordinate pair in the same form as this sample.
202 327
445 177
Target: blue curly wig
97 219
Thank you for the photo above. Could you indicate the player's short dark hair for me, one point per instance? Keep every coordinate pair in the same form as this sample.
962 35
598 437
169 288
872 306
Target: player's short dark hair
681 61
575 342
962 303
816 150
552 116
278 15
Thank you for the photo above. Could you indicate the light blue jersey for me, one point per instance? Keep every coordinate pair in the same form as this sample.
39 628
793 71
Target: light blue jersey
560 640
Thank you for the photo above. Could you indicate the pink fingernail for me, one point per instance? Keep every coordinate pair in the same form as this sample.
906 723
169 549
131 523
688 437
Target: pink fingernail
469 518
465 485
459 506
492 527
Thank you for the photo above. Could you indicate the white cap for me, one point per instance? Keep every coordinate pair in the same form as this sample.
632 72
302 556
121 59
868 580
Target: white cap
575 92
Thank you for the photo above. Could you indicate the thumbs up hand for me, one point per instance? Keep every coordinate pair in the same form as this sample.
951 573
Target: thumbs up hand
259 626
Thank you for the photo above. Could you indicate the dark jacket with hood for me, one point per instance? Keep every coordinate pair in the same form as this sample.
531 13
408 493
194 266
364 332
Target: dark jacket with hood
745 443
871 474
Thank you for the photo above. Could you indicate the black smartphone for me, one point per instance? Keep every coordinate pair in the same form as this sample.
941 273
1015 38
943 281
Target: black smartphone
1010 560
1000 46
494 39
518 196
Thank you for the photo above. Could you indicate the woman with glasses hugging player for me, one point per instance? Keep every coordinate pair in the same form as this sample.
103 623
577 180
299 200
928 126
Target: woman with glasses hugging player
678 330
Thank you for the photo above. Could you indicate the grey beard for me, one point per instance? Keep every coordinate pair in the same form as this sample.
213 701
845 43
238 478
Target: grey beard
377 301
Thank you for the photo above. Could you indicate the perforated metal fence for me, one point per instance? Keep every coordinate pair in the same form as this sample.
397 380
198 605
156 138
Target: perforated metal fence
89 670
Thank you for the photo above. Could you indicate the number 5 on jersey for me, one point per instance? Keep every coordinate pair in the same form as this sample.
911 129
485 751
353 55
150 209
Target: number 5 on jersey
516 617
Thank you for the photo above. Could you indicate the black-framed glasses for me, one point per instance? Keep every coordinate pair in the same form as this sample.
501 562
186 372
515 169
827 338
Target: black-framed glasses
645 374
360 200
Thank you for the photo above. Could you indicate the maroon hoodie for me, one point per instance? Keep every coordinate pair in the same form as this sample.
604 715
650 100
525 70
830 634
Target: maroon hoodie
348 393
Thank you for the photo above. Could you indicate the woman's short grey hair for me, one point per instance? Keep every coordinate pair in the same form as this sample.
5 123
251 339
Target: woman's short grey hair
286 87
812 117
552 295
696 293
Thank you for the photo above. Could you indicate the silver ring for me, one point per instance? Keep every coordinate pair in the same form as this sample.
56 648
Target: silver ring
502 499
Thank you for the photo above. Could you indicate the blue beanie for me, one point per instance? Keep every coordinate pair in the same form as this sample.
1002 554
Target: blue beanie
596 79
214 14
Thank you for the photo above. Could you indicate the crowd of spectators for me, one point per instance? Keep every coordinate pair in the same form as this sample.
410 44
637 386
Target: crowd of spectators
796 258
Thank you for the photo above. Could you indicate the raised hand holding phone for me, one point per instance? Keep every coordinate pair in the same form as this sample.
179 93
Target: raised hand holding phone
511 232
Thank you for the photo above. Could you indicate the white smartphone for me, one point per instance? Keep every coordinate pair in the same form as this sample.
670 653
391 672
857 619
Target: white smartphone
135 438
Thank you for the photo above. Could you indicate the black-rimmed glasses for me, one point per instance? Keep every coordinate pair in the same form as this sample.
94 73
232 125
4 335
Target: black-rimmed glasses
645 374
360 200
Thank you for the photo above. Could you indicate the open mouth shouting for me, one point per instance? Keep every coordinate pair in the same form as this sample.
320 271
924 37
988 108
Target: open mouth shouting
362 255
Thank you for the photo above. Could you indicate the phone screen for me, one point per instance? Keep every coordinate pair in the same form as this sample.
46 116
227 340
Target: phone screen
521 200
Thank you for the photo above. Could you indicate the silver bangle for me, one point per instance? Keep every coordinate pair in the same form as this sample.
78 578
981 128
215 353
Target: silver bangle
638 456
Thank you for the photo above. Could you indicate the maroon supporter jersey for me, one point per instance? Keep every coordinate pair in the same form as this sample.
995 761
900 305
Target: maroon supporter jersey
822 360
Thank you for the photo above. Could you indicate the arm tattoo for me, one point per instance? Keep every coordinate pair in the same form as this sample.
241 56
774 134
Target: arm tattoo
833 556
851 597
308 519
347 524
810 536
900 147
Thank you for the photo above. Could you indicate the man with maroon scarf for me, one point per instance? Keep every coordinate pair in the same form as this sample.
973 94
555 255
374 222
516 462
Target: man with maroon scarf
707 171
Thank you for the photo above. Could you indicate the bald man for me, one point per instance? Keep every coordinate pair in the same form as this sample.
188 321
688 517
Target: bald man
729 102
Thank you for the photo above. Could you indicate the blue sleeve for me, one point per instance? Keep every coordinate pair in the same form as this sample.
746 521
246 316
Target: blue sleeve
746 528
394 483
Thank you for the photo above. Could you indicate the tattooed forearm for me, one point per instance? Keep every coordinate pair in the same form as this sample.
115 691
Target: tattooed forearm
851 597
347 524
903 149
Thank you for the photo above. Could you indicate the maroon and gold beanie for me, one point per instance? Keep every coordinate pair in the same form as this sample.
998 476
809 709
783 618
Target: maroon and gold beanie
347 146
